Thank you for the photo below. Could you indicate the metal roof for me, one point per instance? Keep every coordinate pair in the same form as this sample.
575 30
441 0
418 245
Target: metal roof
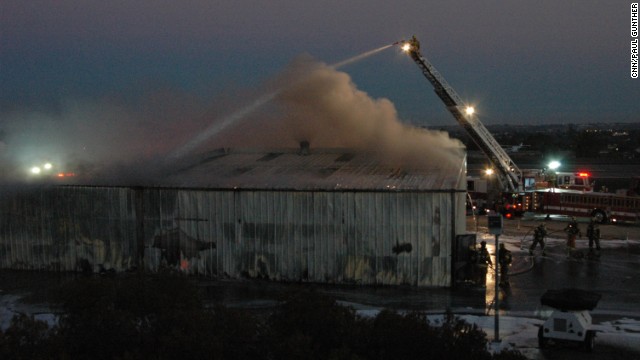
313 169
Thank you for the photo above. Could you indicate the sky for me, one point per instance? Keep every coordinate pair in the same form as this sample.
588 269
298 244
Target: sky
520 61
145 76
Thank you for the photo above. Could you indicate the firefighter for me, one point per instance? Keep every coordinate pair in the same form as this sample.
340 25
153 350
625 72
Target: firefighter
482 263
593 233
415 43
538 238
471 264
572 231
504 258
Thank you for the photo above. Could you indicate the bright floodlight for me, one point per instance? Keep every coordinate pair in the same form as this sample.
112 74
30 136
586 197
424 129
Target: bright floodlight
488 171
470 110
406 47
35 170
48 166
554 165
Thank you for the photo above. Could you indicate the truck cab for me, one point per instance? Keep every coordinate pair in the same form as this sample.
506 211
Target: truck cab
574 181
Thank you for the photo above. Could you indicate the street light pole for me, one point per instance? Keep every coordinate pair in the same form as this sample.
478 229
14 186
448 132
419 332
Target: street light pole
496 301
494 223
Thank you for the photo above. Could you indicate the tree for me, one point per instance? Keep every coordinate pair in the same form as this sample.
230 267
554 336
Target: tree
165 317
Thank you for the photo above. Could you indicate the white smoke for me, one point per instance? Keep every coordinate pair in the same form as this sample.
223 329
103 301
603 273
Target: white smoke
118 143
321 105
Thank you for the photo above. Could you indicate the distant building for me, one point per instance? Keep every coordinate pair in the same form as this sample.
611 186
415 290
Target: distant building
327 216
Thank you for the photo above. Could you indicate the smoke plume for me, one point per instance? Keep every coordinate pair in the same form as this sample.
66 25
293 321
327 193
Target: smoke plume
115 142
321 105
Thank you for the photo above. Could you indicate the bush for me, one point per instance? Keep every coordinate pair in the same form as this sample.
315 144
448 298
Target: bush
164 317
461 340
509 354
26 338
411 336
311 326
395 336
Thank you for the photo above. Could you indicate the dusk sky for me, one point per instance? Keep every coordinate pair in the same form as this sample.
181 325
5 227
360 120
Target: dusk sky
162 64
518 61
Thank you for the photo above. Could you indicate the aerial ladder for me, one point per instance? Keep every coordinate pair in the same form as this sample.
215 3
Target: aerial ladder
509 175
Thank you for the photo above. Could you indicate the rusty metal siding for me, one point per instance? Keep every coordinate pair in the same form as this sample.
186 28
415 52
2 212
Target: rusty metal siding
66 228
332 237
363 237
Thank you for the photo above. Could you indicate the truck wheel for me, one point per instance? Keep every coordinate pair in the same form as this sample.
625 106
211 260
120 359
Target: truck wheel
590 341
542 342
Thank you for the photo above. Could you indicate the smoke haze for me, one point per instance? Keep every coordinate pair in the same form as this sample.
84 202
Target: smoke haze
320 104
113 142
101 141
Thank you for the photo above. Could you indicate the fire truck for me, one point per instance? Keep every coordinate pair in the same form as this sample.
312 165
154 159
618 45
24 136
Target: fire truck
601 207
509 175
535 190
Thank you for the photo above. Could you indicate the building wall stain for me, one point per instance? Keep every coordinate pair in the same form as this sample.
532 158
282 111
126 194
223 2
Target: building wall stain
381 238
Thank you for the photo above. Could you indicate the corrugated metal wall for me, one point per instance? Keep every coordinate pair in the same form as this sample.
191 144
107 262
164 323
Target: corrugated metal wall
67 228
363 237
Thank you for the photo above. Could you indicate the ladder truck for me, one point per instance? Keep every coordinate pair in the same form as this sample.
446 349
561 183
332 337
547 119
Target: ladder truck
563 193
508 174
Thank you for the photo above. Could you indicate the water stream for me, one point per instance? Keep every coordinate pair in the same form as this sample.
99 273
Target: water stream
230 119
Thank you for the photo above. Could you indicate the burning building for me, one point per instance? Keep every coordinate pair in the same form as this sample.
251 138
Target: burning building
311 215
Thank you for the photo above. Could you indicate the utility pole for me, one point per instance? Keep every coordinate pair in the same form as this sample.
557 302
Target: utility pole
496 299
494 222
